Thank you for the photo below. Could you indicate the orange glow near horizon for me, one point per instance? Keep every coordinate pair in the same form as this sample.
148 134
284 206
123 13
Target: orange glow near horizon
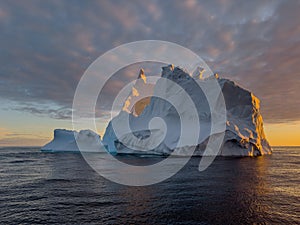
283 134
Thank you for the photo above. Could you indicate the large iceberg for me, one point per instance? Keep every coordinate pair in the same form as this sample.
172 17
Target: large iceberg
244 134
68 140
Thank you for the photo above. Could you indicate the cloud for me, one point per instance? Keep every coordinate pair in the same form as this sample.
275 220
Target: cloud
60 113
47 45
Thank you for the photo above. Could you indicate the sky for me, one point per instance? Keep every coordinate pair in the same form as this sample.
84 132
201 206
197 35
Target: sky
45 47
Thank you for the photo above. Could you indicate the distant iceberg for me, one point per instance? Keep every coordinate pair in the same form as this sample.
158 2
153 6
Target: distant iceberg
66 141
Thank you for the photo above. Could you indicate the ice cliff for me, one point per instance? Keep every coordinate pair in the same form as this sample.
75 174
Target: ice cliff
244 133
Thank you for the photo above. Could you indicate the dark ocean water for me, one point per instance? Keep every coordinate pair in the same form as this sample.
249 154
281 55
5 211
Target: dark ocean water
44 188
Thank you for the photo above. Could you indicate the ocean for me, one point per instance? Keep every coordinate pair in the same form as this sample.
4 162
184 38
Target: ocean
61 188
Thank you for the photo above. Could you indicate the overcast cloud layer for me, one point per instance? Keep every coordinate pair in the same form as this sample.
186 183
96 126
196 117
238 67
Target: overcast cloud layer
47 45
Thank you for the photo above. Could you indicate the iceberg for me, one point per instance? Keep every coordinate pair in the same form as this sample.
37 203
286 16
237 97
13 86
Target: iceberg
67 141
155 124
243 136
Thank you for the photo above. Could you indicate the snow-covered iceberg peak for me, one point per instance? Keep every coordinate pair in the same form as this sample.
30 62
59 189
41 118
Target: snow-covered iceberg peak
135 103
68 140
198 73
244 134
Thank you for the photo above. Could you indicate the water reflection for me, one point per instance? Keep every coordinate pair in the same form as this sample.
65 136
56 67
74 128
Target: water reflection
62 188
231 189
